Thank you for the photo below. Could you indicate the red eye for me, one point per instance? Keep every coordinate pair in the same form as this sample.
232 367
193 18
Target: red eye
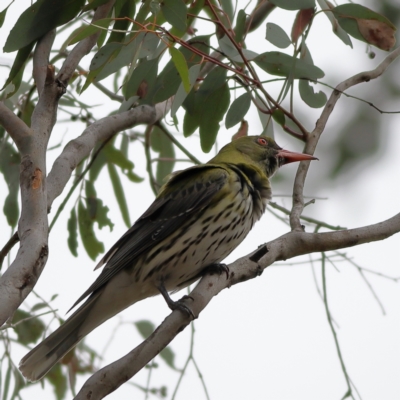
262 142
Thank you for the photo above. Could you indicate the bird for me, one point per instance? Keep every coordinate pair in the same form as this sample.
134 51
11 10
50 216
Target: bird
200 215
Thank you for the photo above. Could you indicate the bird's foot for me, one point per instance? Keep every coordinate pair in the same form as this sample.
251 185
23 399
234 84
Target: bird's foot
217 268
176 305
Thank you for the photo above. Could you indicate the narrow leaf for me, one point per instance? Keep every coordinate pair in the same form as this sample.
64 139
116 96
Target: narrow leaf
238 110
281 64
302 20
72 226
92 246
181 66
3 15
181 94
336 28
88 30
119 193
38 19
175 13
294 4
213 111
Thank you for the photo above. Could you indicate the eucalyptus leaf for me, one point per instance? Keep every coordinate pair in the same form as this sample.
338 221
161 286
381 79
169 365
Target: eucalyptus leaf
175 13
238 110
294 4
281 64
312 99
277 36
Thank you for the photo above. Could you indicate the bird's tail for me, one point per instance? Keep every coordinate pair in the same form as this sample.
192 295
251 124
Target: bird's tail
42 358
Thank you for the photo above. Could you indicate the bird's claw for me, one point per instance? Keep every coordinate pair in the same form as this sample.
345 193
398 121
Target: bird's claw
218 268
176 305
181 306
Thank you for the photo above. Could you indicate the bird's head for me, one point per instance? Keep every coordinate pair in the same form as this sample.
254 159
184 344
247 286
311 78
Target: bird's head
261 151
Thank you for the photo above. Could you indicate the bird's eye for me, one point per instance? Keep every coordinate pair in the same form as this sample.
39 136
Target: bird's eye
262 142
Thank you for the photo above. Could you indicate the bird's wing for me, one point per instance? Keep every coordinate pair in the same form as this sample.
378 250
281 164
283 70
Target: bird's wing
184 194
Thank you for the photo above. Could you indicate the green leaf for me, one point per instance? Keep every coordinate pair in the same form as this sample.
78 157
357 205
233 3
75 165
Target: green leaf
7 380
180 64
88 30
9 167
126 14
94 4
142 79
238 110
277 36
168 81
281 64
366 25
240 27
28 331
231 52
19 383
279 116
117 157
97 164
145 328
3 15
337 30
213 111
133 177
169 357
175 13
294 4
39 306
92 246
312 99
17 69
106 53
162 145
228 8
181 94
119 193
72 226
59 381
190 124
206 108
38 19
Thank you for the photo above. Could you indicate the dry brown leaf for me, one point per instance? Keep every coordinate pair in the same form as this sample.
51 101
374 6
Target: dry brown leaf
377 33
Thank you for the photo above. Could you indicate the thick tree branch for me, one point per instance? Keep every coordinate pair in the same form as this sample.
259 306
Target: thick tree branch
83 47
290 245
78 149
41 59
20 278
15 127
311 145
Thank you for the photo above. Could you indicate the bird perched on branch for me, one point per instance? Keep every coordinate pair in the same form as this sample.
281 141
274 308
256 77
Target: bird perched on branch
200 216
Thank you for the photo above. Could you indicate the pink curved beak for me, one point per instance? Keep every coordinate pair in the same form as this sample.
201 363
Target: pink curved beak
290 156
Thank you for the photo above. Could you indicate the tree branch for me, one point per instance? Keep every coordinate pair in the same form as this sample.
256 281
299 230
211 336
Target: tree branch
41 59
83 47
290 245
298 200
78 149
15 127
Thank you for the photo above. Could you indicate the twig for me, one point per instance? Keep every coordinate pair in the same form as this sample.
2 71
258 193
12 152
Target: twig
328 315
311 145
14 239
